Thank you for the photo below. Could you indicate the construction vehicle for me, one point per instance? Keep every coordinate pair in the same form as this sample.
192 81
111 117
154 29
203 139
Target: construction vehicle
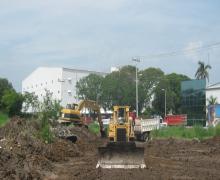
121 150
72 114
175 120
143 127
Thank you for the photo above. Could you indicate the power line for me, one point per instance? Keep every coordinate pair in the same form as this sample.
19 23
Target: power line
186 51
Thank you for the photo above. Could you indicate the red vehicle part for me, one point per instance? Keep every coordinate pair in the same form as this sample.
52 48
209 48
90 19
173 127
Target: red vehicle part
132 115
175 120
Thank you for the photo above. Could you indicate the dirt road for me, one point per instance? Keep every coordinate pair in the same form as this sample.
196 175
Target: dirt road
165 159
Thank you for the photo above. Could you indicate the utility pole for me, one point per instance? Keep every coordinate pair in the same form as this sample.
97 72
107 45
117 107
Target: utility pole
165 102
136 60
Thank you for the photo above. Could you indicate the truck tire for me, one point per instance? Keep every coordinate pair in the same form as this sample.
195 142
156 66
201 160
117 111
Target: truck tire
139 137
146 136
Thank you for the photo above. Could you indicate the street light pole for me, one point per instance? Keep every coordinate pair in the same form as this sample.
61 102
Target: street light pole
137 61
165 104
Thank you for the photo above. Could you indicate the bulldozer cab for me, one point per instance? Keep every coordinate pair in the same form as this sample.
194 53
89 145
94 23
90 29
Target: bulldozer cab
120 128
121 114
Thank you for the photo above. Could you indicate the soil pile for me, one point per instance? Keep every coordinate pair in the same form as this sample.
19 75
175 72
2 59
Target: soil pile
24 156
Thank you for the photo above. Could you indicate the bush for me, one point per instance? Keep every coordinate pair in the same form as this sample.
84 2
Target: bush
94 128
48 112
46 134
3 119
12 103
187 133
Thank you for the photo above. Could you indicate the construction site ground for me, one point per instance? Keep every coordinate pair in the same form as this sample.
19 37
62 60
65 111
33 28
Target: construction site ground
23 156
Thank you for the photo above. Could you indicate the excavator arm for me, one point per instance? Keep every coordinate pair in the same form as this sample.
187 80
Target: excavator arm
95 107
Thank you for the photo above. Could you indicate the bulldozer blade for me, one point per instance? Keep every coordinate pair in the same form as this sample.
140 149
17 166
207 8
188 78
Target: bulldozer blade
124 156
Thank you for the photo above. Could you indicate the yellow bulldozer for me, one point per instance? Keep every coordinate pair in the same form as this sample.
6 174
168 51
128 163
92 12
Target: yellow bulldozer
72 114
121 150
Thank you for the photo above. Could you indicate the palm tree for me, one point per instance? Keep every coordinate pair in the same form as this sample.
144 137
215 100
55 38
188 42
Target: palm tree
212 100
202 71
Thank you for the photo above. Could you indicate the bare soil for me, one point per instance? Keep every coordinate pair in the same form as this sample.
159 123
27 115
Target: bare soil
23 156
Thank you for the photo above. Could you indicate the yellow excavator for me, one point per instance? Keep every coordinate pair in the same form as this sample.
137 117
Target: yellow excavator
72 114
121 150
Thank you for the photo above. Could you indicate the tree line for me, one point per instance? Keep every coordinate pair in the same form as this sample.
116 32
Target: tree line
119 88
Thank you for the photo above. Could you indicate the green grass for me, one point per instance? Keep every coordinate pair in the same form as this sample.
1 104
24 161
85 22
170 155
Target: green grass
46 134
3 119
186 133
94 128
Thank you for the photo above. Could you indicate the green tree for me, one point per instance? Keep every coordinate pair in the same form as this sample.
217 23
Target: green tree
90 87
31 103
148 81
171 83
202 71
212 100
4 86
12 102
49 108
47 114
119 88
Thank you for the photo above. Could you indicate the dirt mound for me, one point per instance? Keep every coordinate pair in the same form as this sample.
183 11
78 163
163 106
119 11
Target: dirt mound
24 156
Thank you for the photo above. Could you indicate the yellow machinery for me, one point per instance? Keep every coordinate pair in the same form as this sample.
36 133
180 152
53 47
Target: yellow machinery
121 150
72 114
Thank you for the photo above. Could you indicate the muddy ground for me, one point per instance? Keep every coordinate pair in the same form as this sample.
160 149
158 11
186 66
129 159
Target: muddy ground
23 156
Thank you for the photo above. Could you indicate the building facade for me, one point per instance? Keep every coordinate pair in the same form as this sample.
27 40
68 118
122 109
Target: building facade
194 101
61 82
214 91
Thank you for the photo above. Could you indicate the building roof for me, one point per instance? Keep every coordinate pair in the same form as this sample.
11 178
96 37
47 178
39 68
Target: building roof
65 69
213 86
84 71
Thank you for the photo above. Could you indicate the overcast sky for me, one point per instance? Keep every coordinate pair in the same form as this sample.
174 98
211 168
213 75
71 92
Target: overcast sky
98 34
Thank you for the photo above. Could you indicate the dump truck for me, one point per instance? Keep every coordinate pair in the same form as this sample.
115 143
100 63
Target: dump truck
121 150
143 127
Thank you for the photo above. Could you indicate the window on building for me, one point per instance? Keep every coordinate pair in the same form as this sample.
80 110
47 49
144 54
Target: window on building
52 81
69 92
69 80
58 92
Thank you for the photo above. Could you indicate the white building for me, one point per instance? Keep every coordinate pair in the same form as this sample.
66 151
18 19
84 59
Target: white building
213 90
60 81
114 69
